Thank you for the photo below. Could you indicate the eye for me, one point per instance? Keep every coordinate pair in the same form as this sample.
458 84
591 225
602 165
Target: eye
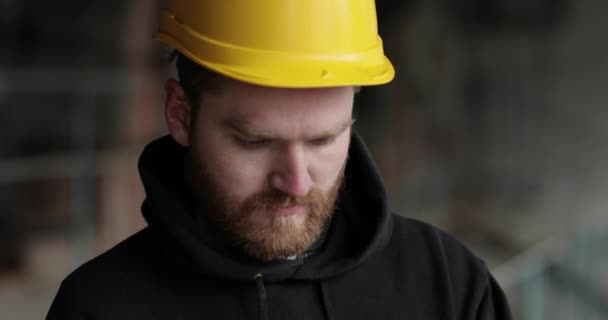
251 143
323 141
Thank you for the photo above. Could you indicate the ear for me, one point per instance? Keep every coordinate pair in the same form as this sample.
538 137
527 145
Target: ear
178 112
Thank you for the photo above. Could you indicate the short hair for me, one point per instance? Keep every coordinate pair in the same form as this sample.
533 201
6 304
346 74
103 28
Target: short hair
194 78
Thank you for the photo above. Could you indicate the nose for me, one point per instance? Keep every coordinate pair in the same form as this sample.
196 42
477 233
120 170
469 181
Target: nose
291 174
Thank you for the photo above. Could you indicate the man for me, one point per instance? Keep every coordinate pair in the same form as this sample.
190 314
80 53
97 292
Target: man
262 203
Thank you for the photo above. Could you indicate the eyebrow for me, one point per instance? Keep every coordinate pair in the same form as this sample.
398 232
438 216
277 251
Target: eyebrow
247 130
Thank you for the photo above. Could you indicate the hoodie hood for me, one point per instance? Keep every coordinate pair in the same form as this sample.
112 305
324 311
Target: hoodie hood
360 224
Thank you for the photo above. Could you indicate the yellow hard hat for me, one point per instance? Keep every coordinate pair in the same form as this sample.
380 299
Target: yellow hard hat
280 43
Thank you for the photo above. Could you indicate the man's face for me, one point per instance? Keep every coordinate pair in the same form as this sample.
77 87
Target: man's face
267 163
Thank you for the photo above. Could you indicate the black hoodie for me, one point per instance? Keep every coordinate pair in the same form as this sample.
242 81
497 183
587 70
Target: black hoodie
372 264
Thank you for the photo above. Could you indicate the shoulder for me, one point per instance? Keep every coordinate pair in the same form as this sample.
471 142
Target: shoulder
106 276
424 239
127 256
441 259
435 249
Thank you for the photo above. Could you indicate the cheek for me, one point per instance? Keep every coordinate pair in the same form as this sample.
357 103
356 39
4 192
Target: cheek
236 174
232 174
328 165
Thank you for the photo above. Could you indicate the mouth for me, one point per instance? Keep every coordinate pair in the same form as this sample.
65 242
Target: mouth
289 210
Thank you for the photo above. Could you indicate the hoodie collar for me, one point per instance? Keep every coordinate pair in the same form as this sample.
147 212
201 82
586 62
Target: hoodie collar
360 223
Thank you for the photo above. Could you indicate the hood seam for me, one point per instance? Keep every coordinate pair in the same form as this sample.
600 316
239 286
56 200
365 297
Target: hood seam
325 300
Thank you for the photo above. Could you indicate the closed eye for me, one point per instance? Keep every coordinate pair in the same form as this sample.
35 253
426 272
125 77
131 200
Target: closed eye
252 143
323 141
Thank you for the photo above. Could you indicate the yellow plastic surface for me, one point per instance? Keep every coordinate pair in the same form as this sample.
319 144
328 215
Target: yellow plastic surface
280 43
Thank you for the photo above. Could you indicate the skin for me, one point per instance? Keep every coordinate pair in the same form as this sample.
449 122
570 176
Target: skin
251 139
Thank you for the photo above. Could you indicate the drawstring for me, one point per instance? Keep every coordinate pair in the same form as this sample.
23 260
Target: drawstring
325 300
262 305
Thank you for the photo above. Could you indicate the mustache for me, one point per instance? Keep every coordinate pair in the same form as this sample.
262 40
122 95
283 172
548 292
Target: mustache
275 199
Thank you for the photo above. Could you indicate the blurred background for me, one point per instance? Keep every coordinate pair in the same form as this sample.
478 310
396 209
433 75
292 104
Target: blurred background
494 130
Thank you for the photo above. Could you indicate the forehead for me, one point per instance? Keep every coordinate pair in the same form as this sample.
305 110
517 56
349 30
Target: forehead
265 106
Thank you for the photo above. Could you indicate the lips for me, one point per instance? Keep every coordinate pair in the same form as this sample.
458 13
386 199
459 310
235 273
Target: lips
290 210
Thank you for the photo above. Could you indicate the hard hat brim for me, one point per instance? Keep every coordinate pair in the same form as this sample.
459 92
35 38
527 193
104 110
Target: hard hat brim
286 70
